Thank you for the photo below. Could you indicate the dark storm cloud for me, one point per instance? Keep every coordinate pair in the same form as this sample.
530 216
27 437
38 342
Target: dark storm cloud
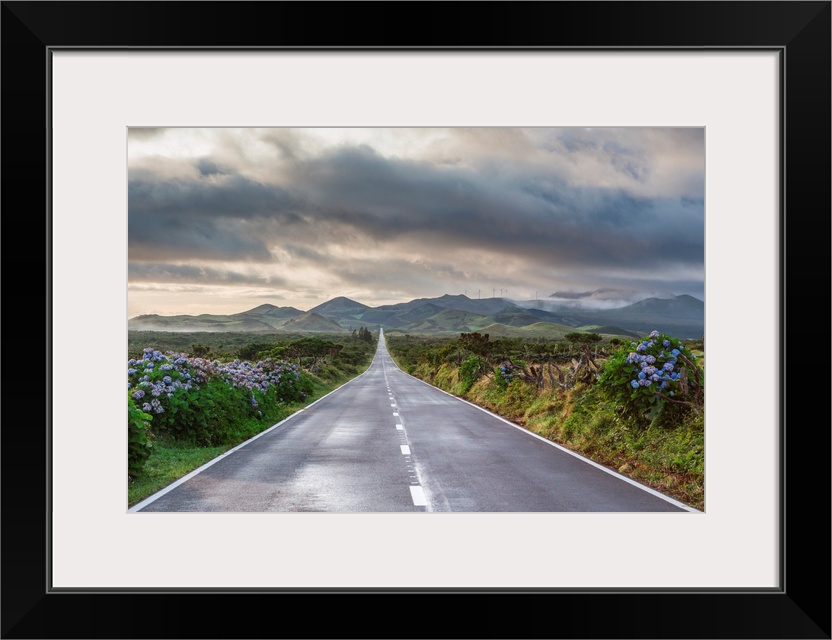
570 201
308 254
208 167
206 218
192 274
541 216
232 196
538 216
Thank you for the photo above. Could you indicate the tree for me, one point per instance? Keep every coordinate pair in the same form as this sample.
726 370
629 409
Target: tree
574 337
200 350
578 337
476 343
252 350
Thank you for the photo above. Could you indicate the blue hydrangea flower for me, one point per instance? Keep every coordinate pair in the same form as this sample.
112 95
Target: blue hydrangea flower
634 384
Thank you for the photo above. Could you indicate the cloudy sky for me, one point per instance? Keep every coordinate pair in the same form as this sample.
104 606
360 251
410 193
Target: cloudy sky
223 220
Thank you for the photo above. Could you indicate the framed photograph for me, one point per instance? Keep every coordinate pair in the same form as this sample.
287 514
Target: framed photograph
753 77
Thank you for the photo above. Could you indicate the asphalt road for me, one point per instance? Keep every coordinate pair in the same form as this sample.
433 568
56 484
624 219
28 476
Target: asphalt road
387 442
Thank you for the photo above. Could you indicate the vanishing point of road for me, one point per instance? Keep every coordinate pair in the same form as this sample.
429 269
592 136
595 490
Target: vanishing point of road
387 442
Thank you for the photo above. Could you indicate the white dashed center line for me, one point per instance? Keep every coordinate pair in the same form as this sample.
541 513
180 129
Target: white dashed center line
418 495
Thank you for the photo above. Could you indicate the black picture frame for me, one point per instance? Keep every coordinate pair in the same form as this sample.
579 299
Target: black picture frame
799 31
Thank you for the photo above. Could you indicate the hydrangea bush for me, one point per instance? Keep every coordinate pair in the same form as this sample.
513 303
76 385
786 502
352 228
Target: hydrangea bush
654 379
503 375
206 401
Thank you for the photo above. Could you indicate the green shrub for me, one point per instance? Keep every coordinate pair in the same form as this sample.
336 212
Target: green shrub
471 370
138 439
208 417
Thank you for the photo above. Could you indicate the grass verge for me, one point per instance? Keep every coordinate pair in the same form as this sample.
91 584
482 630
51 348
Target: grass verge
669 460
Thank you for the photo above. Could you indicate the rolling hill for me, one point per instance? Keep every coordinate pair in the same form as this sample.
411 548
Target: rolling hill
311 322
681 316
205 322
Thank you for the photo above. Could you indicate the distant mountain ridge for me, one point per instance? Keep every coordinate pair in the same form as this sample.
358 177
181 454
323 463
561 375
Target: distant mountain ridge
682 316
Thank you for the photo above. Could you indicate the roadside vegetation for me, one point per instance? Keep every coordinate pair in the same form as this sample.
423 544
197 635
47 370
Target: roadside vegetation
191 397
634 406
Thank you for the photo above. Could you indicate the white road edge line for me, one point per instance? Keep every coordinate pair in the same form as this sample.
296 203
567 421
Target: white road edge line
658 494
141 505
